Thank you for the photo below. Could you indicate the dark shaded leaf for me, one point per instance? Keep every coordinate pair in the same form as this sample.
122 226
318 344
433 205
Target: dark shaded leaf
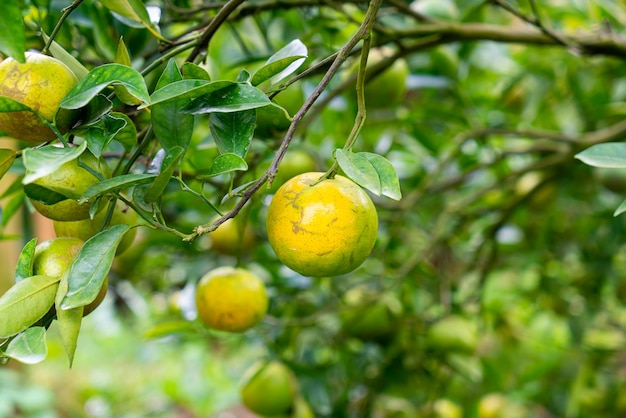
233 131
233 98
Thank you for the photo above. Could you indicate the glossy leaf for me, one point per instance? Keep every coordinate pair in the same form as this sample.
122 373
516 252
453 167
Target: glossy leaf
9 105
186 89
69 320
7 156
225 163
99 135
360 170
233 98
25 303
13 39
171 127
194 71
123 57
40 162
134 10
386 173
91 266
44 195
610 155
114 184
100 78
170 163
233 131
24 267
282 64
29 346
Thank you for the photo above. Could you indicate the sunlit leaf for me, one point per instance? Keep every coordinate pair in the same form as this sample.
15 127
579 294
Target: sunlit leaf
100 78
25 303
194 71
360 170
69 320
7 156
29 346
282 64
610 155
233 98
24 267
40 162
134 10
225 163
386 173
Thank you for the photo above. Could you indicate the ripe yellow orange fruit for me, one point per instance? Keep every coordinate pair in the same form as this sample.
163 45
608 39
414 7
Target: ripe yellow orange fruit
231 299
321 228
53 257
40 83
232 238
70 179
269 388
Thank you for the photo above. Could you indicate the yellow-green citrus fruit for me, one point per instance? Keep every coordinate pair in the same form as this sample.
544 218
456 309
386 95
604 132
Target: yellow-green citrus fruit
369 315
321 228
231 299
40 83
70 180
87 228
268 388
54 256
454 333
270 120
296 161
232 237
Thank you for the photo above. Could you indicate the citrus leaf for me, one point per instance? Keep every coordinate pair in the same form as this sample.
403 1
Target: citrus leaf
620 209
171 127
13 39
11 208
386 173
233 131
360 170
29 346
275 68
100 134
169 328
24 267
58 52
40 162
194 71
134 10
44 195
225 163
114 184
293 49
186 89
69 320
7 156
100 78
25 303
9 105
170 163
233 98
91 266
609 154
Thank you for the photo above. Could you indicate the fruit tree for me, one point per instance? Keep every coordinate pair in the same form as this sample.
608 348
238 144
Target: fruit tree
305 208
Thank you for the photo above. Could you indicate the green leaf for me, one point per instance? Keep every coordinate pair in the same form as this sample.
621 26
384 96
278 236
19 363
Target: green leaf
10 105
194 71
13 39
24 267
58 52
620 209
134 10
170 328
25 303
29 346
360 170
170 163
225 163
91 266
114 184
171 127
40 162
282 64
386 173
609 154
69 320
186 89
11 208
233 131
100 78
7 156
99 135
44 195
233 98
